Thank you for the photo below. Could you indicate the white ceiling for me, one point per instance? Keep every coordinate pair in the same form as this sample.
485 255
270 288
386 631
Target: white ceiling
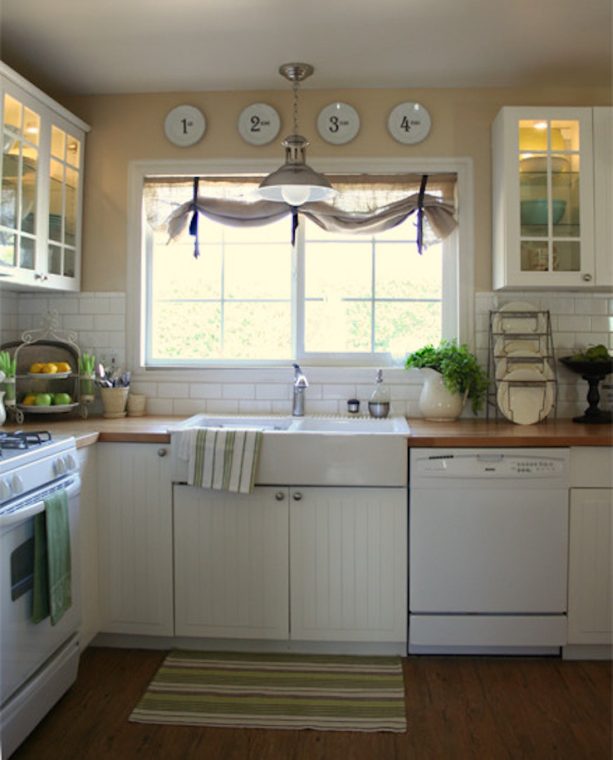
113 46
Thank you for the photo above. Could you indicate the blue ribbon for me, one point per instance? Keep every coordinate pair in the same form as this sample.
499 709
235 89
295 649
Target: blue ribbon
420 214
193 225
295 222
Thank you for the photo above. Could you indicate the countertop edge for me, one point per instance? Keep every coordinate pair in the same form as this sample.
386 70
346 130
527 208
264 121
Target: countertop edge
425 434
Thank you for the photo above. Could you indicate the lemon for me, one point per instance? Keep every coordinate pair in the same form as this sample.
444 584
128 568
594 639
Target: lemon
63 367
36 368
49 369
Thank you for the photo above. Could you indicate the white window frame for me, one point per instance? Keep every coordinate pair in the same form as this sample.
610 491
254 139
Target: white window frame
458 285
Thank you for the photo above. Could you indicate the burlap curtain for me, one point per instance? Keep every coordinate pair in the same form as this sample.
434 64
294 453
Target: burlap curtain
364 204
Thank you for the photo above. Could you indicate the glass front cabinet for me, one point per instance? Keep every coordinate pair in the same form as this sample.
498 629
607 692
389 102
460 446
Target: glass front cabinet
543 204
41 173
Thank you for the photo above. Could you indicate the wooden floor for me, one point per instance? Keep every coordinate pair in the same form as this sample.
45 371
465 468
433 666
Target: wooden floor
485 708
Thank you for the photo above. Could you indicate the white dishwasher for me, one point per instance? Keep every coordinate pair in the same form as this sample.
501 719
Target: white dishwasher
488 547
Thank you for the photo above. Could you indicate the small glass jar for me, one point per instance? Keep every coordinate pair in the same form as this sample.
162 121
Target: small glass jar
87 388
353 406
9 388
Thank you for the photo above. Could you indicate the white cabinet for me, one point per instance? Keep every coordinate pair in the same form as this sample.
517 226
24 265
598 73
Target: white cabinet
603 194
590 595
543 198
231 563
41 176
348 563
135 538
304 563
88 533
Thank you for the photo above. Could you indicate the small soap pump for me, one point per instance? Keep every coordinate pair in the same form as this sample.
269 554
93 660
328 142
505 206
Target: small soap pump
379 404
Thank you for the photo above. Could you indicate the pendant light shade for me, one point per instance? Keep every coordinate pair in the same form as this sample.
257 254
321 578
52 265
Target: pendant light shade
295 182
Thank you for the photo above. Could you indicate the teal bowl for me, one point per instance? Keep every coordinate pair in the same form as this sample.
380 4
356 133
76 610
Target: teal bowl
535 212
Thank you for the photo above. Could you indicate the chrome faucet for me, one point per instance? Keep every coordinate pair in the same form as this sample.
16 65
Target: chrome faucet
300 385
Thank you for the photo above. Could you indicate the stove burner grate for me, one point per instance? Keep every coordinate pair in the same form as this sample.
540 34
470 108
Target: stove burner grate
22 439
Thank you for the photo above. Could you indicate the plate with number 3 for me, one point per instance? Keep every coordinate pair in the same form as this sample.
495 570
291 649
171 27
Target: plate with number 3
338 123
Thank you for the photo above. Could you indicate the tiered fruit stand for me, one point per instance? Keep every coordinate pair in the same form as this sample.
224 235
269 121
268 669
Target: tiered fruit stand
45 347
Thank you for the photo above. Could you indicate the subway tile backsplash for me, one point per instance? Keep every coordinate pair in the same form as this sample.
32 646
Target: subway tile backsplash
99 321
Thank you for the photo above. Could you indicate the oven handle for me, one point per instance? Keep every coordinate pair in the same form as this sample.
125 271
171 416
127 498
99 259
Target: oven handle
20 514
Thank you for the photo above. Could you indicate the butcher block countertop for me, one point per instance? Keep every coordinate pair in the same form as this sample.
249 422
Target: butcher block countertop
461 433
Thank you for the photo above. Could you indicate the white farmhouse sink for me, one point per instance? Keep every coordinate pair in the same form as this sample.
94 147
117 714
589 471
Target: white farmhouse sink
350 425
272 423
341 451
238 422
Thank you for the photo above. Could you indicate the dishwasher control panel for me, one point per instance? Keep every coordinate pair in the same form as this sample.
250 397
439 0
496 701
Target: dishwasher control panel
488 464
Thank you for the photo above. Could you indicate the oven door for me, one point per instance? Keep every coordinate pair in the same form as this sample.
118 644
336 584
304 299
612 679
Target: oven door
24 645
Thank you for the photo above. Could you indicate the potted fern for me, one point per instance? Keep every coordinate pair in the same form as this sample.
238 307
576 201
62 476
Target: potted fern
452 375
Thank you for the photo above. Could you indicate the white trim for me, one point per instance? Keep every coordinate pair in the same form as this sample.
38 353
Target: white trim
138 170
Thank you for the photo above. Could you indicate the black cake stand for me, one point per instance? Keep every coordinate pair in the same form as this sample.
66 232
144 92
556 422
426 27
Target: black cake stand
594 373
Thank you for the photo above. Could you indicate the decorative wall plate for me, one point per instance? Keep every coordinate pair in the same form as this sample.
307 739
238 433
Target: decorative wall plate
338 123
259 124
409 123
184 125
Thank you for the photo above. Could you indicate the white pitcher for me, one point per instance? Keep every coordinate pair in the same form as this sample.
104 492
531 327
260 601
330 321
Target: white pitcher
436 401
2 409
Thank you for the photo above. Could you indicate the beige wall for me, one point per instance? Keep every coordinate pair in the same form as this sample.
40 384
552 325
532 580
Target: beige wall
130 127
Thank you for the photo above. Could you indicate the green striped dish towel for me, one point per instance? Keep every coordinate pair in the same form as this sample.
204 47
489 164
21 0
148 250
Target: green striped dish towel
223 460
52 583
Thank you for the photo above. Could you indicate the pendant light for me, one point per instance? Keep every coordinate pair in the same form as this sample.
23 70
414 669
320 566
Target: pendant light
295 182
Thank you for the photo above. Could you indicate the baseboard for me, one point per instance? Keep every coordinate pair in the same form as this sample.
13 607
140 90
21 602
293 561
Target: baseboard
130 641
587 652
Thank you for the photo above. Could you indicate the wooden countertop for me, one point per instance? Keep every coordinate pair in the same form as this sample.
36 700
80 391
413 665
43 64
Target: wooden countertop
461 433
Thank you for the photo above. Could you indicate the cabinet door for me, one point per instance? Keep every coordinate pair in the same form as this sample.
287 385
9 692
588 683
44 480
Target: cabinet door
590 589
41 171
231 565
88 530
543 198
135 523
63 217
348 550
603 194
20 210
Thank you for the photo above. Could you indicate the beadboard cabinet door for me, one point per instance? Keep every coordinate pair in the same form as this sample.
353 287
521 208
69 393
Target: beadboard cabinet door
88 533
135 543
590 592
348 564
231 565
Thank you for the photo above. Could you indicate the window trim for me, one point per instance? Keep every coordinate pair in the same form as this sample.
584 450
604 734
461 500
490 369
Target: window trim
136 270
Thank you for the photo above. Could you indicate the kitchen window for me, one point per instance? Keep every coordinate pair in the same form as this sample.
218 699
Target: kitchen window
251 298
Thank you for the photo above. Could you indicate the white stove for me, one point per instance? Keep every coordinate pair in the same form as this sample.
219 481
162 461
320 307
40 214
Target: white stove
38 661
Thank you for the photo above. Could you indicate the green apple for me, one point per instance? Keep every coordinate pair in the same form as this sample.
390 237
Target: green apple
62 398
43 399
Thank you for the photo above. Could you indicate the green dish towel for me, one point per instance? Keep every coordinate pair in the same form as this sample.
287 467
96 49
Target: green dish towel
52 584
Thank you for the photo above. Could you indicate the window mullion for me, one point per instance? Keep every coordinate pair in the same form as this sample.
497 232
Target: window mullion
373 274
222 299
298 292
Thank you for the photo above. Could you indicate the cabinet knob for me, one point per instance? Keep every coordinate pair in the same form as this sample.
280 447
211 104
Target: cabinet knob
297 496
587 277
279 496
162 452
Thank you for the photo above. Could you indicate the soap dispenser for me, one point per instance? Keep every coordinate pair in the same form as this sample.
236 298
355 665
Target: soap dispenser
379 404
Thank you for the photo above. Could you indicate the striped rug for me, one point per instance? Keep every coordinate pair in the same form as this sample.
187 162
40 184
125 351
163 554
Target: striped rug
323 692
